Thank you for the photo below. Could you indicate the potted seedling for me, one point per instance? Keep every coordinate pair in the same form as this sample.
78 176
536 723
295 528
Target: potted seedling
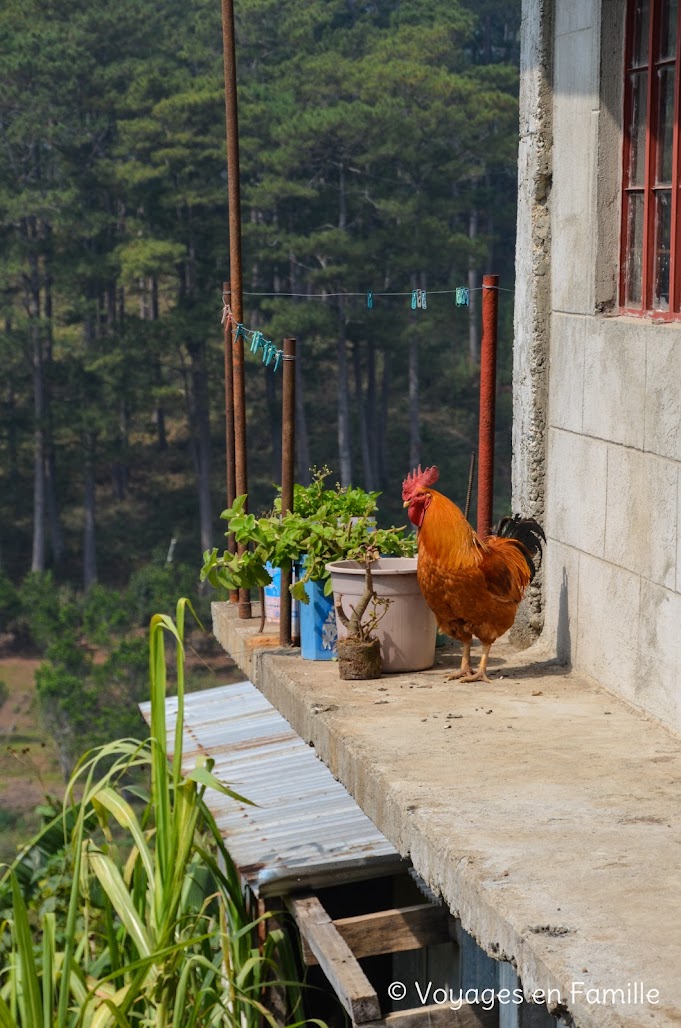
407 631
359 652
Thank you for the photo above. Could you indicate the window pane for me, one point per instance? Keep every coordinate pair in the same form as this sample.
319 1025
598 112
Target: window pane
639 53
634 258
663 225
665 126
668 29
637 131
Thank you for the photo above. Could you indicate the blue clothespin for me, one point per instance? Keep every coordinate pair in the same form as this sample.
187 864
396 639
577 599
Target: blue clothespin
255 341
271 350
414 299
280 354
370 301
424 302
240 332
463 297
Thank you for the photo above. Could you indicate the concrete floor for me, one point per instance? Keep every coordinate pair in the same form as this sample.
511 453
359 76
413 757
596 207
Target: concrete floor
544 810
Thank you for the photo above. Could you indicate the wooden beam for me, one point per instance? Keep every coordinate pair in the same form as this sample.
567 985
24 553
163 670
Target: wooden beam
336 960
392 931
439 1015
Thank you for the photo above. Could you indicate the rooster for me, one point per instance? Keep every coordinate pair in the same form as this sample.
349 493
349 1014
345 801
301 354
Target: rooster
472 585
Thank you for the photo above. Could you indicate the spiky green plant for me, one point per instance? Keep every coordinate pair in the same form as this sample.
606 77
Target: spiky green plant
158 931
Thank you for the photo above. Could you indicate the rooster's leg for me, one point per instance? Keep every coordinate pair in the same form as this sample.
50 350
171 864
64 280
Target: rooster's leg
481 674
465 668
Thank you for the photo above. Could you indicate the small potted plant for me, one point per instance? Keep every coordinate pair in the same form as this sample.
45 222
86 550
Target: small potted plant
407 631
359 652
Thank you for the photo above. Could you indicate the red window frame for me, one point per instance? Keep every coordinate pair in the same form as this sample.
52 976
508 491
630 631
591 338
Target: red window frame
650 271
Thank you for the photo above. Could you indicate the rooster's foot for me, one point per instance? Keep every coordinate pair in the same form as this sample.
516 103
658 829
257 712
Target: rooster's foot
479 676
461 673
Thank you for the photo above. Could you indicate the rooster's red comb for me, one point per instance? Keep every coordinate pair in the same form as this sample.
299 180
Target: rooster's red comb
418 479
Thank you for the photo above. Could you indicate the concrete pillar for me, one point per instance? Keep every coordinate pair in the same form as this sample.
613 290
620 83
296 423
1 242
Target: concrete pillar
533 285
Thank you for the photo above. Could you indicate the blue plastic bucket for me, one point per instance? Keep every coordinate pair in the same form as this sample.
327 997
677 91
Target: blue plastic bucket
273 601
318 632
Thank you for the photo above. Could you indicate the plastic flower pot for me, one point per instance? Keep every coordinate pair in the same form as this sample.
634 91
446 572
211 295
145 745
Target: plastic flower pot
318 633
273 601
407 630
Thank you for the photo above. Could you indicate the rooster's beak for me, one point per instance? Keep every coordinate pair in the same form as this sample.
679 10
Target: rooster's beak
406 503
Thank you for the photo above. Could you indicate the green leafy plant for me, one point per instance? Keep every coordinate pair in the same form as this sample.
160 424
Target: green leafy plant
40 608
155 928
104 613
282 540
326 524
9 602
155 585
350 501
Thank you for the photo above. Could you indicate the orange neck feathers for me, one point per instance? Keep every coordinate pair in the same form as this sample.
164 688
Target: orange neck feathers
447 536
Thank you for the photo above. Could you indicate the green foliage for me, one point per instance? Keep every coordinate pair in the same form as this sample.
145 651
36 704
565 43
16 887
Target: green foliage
120 685
9 602
4 691
154 586
83 700
146 921
104 614
8 819
40 609
341 501
323 536
87 703
371 137
356 540
68 700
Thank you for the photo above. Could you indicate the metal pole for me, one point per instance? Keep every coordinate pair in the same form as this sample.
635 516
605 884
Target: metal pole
230 478
234 196
488 378
469 491
288 450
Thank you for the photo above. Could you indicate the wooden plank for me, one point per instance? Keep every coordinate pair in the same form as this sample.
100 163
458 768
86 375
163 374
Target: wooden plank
440 1015
392 931
335 958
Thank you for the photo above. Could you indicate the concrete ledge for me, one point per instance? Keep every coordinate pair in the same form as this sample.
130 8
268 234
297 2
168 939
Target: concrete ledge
544 810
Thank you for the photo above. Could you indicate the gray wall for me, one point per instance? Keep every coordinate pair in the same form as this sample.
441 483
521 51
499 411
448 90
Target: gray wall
605 389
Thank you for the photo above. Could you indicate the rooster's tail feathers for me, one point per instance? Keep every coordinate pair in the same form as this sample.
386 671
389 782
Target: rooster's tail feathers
527 532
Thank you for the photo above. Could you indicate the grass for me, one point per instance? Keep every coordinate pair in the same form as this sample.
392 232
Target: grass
138 937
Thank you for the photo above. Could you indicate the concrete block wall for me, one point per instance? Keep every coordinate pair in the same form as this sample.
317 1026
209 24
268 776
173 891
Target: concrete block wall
613 506
612 475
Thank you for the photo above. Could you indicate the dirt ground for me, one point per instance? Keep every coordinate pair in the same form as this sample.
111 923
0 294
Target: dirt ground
29 764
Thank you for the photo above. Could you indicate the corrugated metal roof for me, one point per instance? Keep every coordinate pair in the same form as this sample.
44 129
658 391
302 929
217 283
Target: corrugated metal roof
307 831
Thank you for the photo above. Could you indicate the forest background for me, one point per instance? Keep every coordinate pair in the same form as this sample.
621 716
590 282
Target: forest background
378 153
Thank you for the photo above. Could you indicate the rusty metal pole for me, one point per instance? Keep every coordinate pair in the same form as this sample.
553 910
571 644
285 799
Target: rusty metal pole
230 476
488 379
288 450
234 197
